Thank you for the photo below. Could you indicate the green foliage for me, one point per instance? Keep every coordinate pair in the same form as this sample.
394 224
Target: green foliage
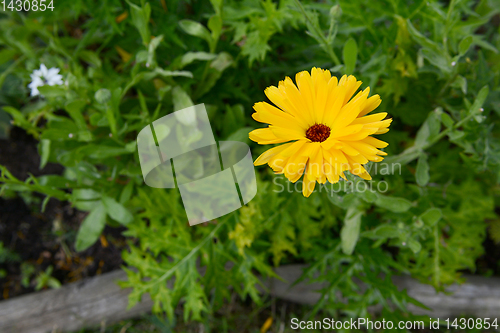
425 212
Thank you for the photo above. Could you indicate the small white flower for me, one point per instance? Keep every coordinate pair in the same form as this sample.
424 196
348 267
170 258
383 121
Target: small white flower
43 76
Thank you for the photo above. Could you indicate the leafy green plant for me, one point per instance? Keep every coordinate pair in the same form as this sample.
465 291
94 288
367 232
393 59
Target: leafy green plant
45 279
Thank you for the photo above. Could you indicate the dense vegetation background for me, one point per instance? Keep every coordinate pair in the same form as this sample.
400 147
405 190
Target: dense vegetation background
125 64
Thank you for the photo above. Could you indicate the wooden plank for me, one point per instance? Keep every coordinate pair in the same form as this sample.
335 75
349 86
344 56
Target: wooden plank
89 302
74 306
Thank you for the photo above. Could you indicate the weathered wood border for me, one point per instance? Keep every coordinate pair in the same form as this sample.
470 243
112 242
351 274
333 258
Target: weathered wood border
91 301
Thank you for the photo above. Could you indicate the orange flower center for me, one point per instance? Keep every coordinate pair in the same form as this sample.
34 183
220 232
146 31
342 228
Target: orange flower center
318 133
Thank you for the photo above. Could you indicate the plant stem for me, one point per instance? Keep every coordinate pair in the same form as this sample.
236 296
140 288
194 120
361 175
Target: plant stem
190 254
326 46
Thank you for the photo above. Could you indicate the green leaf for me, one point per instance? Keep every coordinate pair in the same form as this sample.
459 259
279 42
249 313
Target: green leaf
394 204
460 82
479 101
117 211
446 119
429 129
153 45
126 193
180 99
217 66
7 55
91 228
422 172
192 56
196 29
90 57
350 54
52 91
44 152
465 44
368 196
240 135
140 18
18 117
422 40
414 245
217 4
215 26
350 231
102 96
74 109
431 216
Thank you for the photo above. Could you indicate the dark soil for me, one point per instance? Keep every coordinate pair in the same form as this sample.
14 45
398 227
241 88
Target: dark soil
40 240
489 263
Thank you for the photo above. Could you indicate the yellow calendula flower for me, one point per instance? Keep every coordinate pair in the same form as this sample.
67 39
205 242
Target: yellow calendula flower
326 132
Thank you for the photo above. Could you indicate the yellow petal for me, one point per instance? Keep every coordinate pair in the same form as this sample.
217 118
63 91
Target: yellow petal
382 131
321 88
333 110
266 113
349 150
375 142
278 162
304 83
308 186
359 159
346 131
351 86
363 148
371 104
296 104
288 133
370 119
358 136
268 154
294 148
264 136
315 164
295 167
